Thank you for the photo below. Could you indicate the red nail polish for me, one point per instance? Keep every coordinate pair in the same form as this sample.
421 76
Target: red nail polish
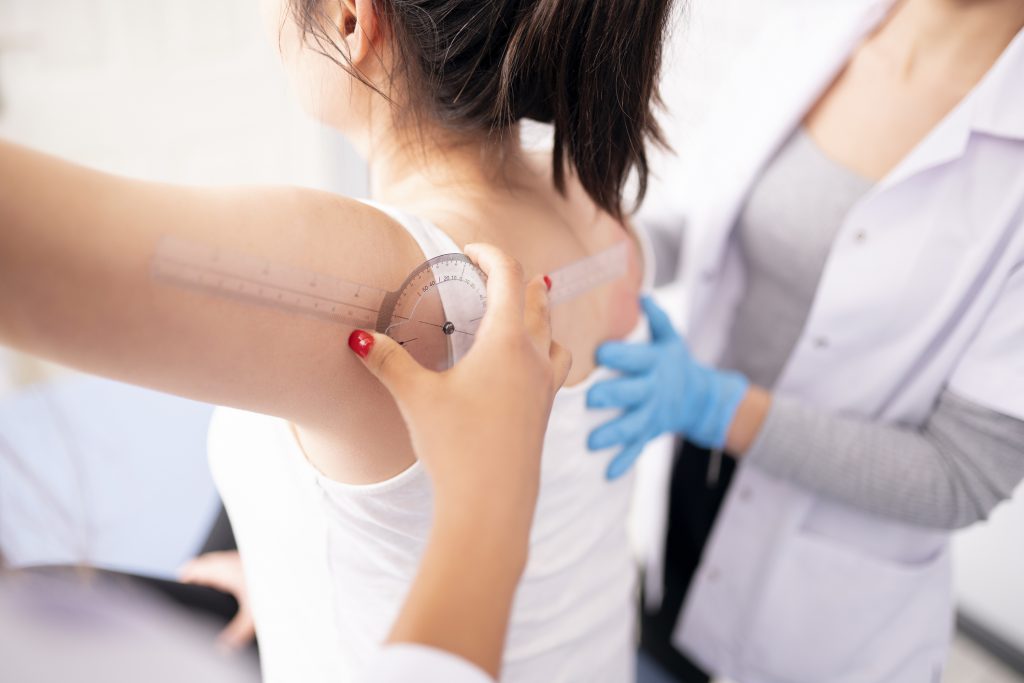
547 281
361 342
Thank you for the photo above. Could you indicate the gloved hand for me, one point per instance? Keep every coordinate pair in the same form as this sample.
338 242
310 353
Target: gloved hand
663 389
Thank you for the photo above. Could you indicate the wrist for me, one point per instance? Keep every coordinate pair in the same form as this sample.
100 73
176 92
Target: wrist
748 420
712 402
486 528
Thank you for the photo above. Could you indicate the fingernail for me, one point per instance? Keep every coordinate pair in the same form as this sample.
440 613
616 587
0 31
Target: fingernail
361 342
547 282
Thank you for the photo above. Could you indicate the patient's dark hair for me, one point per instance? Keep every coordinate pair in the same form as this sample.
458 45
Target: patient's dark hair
590 67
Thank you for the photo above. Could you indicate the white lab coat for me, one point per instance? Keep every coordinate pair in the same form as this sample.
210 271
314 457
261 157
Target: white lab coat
923 290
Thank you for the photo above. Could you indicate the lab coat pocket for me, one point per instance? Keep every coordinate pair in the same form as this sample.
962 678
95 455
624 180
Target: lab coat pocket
830 612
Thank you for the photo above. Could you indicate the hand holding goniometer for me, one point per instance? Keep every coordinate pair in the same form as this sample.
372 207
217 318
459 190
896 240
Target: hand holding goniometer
479 540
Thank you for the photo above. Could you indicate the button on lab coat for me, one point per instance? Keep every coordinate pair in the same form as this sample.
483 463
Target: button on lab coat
923 290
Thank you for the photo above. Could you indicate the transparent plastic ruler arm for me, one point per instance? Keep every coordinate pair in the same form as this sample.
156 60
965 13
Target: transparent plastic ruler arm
434 313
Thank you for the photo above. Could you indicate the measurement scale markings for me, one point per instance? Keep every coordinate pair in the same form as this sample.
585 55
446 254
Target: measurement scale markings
262 285
256 280
357 317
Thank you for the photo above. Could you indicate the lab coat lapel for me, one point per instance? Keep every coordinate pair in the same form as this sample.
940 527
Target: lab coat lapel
990 108
949 235
750 122
1001 111
744 129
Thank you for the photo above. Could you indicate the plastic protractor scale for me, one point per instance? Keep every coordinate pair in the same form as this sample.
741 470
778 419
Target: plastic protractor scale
435 313
437 310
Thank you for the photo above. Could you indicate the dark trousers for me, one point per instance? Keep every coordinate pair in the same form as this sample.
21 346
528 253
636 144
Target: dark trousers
693 507
201 601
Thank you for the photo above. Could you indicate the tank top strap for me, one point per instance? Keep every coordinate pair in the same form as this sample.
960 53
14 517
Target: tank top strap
431 239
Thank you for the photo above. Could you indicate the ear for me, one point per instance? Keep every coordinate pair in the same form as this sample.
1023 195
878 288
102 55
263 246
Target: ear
358 26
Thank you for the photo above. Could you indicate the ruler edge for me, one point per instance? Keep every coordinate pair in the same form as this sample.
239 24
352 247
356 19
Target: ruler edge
387 297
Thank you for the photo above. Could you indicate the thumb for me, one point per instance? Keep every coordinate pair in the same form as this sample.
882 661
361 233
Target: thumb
386 360
657 318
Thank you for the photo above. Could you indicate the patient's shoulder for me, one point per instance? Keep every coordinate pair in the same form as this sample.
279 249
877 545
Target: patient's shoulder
332 234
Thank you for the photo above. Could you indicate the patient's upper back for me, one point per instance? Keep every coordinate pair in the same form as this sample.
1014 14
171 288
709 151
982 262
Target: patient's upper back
546 231
364 439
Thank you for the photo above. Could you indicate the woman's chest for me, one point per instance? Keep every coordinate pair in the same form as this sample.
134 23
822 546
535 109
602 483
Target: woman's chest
851 123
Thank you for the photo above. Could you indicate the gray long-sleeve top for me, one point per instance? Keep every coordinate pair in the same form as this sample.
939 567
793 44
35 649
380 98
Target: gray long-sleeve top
950 472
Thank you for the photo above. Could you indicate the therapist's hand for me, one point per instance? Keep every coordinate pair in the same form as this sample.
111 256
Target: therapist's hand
662 390
478 428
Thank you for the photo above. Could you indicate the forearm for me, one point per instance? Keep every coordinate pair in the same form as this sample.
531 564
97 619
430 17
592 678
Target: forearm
949 473
462 597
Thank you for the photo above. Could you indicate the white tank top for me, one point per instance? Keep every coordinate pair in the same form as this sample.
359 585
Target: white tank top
328 564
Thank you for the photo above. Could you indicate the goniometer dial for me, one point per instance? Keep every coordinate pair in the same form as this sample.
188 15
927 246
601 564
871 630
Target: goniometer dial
437 310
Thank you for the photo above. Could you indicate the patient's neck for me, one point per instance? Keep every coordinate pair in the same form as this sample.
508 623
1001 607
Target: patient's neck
432 169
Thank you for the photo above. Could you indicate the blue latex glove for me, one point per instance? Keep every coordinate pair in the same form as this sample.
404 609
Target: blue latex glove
663 389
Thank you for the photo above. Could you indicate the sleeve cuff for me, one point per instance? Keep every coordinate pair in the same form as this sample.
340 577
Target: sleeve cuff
403 662
783 438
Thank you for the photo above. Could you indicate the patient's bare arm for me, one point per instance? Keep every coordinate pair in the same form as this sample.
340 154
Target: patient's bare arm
75 286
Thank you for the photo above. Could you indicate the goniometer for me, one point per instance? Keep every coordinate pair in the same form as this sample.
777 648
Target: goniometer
434 314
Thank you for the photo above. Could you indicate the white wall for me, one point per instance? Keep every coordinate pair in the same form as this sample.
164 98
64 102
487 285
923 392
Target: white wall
989 566
188 91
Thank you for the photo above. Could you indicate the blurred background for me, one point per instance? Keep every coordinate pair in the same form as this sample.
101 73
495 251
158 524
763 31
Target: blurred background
190 92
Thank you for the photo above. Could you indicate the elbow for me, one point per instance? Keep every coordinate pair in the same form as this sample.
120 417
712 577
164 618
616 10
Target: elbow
966 518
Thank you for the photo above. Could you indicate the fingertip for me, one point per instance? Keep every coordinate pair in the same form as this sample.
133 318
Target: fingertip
505 282
658 320
622 462
616 468
650 306
601 355
490 258
603 437
473 252
539 284
387 360
599 397
610 354
361 342
651 309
